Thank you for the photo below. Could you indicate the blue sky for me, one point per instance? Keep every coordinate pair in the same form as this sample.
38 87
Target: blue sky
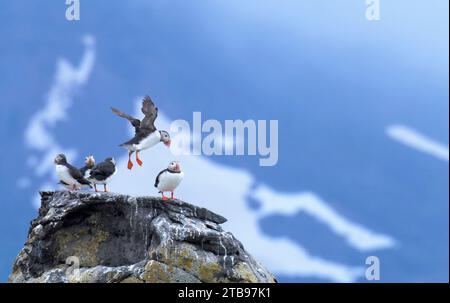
336 82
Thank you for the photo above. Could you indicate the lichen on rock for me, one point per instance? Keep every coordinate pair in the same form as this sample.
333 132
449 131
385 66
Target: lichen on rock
83 237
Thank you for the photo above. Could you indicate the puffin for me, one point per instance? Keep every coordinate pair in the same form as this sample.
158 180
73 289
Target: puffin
102 173
146 135
89 162
69 175
168 179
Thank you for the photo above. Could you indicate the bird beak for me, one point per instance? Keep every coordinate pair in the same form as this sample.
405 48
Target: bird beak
177 167
167 143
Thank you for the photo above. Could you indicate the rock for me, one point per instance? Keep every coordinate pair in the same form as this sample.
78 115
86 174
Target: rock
84 237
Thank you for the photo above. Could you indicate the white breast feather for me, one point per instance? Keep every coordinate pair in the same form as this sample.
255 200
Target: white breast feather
169 181
87 173
153 139
63 174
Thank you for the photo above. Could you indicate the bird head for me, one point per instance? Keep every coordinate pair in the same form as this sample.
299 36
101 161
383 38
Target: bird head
165 138
60 159
174 166
111 160
89 161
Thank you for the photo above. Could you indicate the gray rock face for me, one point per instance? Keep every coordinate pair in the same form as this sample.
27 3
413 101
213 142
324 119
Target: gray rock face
104 237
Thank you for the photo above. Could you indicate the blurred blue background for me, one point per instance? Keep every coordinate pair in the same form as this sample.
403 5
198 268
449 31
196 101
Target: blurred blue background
348 94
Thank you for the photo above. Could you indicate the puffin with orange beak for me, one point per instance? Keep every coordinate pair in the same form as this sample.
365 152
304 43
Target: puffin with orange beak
146 134
169 179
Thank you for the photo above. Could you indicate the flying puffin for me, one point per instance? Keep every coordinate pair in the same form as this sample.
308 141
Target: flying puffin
169 178
89 163
69 175
102 173
146 134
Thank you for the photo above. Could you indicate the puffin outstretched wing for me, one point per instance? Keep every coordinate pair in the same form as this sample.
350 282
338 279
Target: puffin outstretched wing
135 122
151 113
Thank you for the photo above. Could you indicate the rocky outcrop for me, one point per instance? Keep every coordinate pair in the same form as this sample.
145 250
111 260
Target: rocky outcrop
105 237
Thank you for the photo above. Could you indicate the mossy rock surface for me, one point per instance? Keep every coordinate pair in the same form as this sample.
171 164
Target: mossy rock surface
83 237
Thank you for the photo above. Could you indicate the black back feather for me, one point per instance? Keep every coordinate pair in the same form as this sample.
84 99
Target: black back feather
103 170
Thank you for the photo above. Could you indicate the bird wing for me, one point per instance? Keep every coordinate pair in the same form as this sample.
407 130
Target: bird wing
135 122
157 177
76 174
151 113
102 170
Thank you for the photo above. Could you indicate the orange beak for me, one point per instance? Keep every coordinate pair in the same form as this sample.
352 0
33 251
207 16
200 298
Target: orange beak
167 143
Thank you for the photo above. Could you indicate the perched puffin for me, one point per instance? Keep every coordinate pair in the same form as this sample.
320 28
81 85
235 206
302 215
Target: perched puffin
69 175
168 179
146 134
89 163
102 173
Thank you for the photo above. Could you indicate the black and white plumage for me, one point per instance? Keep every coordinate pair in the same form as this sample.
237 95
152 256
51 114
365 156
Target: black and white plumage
102 173
146 135
69 175
169 179
89 163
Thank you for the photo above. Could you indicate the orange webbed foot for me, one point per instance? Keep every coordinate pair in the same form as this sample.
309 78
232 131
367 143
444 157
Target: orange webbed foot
130 164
